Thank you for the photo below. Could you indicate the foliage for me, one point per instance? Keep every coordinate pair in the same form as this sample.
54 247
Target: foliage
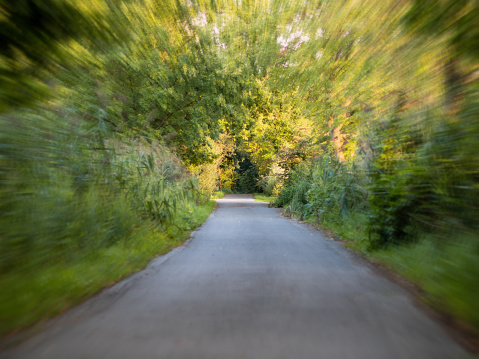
293 194
270 185
335 191
32 34
323 190
80 190
247 172
219 172
275 137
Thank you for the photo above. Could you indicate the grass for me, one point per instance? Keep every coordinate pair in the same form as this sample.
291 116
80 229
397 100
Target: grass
264 198
31 296
447 272
217 195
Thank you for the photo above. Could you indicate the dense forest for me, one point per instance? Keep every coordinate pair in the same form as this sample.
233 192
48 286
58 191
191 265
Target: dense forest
120 118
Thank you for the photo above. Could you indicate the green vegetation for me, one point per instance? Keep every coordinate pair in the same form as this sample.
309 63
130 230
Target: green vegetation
220 193
447 273
361 117
30 294
263 198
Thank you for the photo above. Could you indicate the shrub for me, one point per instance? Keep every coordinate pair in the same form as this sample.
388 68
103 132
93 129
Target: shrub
78 189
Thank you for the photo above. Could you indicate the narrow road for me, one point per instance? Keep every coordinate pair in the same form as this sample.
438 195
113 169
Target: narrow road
250 284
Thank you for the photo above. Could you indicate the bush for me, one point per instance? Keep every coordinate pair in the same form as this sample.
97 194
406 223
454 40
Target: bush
78 189
324 189
426 192
270 185
293 193
336 189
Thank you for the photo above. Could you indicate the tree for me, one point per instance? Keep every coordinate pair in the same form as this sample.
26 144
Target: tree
32 36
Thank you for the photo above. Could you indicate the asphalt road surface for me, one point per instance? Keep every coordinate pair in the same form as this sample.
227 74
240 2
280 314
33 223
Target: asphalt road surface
249 284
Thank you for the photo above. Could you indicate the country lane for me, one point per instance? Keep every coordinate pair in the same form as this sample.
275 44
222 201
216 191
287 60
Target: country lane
249 284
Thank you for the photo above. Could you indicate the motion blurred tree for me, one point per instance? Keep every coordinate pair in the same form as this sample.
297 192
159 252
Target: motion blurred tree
287 80
454 24
32 34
